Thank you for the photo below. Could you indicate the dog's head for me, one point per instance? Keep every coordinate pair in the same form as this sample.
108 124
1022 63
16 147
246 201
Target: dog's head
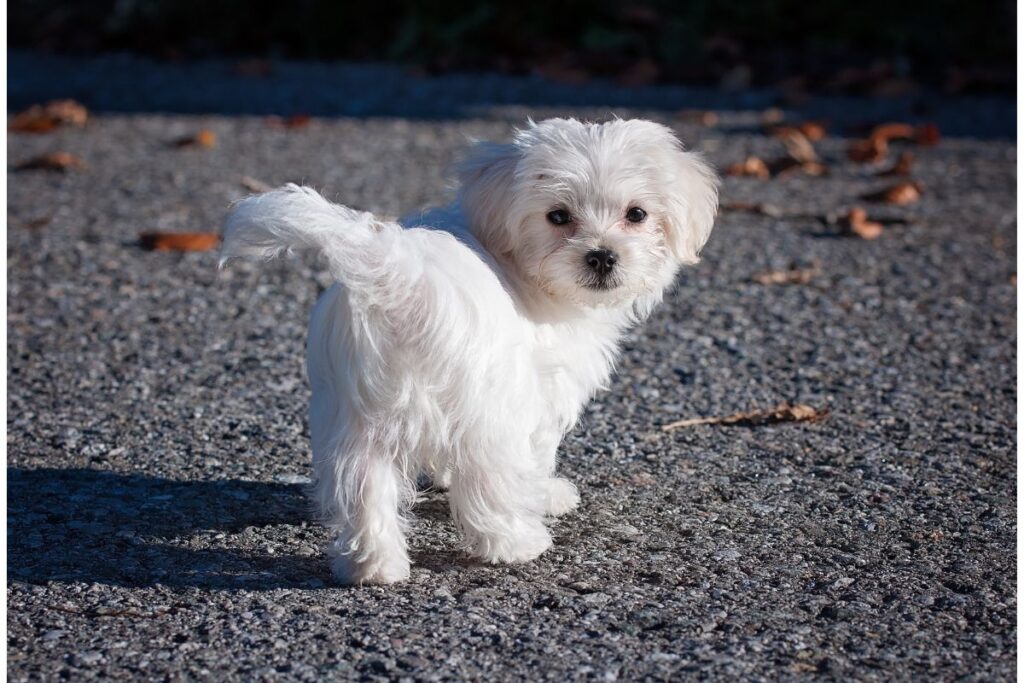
592 214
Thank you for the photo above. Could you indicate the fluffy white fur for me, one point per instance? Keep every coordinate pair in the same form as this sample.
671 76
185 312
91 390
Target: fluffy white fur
465 345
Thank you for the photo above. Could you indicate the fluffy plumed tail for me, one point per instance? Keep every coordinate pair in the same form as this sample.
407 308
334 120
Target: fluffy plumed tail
294 218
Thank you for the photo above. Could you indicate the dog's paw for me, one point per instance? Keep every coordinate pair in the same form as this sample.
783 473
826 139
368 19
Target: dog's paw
520 540
561 496
372 571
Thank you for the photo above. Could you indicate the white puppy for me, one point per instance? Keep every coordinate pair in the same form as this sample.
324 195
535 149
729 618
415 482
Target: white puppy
465 345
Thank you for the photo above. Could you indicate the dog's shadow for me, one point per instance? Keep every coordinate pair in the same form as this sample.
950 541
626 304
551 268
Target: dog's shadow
137 530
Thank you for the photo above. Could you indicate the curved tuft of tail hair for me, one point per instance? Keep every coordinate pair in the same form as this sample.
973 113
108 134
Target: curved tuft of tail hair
295 218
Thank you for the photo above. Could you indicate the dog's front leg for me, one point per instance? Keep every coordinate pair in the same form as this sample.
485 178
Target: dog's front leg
497 501
560 494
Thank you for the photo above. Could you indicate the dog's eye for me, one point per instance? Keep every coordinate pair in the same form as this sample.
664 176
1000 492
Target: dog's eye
636 215
559 217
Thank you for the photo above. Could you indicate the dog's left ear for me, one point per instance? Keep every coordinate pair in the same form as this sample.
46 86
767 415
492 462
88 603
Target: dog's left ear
487 177
692 203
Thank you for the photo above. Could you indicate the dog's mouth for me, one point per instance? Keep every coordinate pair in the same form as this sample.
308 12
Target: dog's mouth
597 283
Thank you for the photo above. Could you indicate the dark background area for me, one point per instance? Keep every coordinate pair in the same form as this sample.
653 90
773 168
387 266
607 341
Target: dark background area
867 47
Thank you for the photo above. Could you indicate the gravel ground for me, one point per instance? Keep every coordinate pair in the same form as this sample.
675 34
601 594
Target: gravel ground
157 442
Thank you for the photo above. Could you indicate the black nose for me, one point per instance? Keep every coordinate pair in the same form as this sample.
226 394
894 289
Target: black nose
601 261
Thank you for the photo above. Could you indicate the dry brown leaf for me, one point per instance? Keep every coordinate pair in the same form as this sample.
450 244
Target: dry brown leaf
876 145
254 185
700 117
54 161
797 144
793 276
904 164
752 167
783 412
42 118
868 151
893 131
856 223
179 241
903 193
899 194
814 168
205 138
813 130
788 166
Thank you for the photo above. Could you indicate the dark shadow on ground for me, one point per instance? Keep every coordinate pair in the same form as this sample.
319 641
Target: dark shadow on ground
133 84
134 530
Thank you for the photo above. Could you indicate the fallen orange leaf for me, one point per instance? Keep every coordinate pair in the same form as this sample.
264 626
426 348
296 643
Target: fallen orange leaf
42 118
205 138
797 144
783 412
899 194
788 166
868 151
813 130
54 161
179 241
753 167
857 223
893 131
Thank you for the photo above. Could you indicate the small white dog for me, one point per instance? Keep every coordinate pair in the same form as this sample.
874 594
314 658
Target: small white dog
465 345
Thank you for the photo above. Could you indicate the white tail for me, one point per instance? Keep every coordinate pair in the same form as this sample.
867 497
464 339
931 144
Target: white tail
294 218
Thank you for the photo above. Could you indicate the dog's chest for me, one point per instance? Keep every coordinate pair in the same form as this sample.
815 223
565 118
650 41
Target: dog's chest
572 364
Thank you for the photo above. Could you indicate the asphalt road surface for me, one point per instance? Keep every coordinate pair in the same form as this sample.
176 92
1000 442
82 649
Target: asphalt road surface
157 440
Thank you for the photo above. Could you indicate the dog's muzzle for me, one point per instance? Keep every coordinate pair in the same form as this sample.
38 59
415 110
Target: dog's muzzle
600 269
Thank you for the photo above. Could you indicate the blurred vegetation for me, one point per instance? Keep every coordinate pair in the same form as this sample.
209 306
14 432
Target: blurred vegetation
657 40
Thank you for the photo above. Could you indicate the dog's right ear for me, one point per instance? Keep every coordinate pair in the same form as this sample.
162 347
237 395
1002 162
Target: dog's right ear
486 178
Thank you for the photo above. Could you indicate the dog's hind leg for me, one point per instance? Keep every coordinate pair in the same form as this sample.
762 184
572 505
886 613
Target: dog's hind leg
366 514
